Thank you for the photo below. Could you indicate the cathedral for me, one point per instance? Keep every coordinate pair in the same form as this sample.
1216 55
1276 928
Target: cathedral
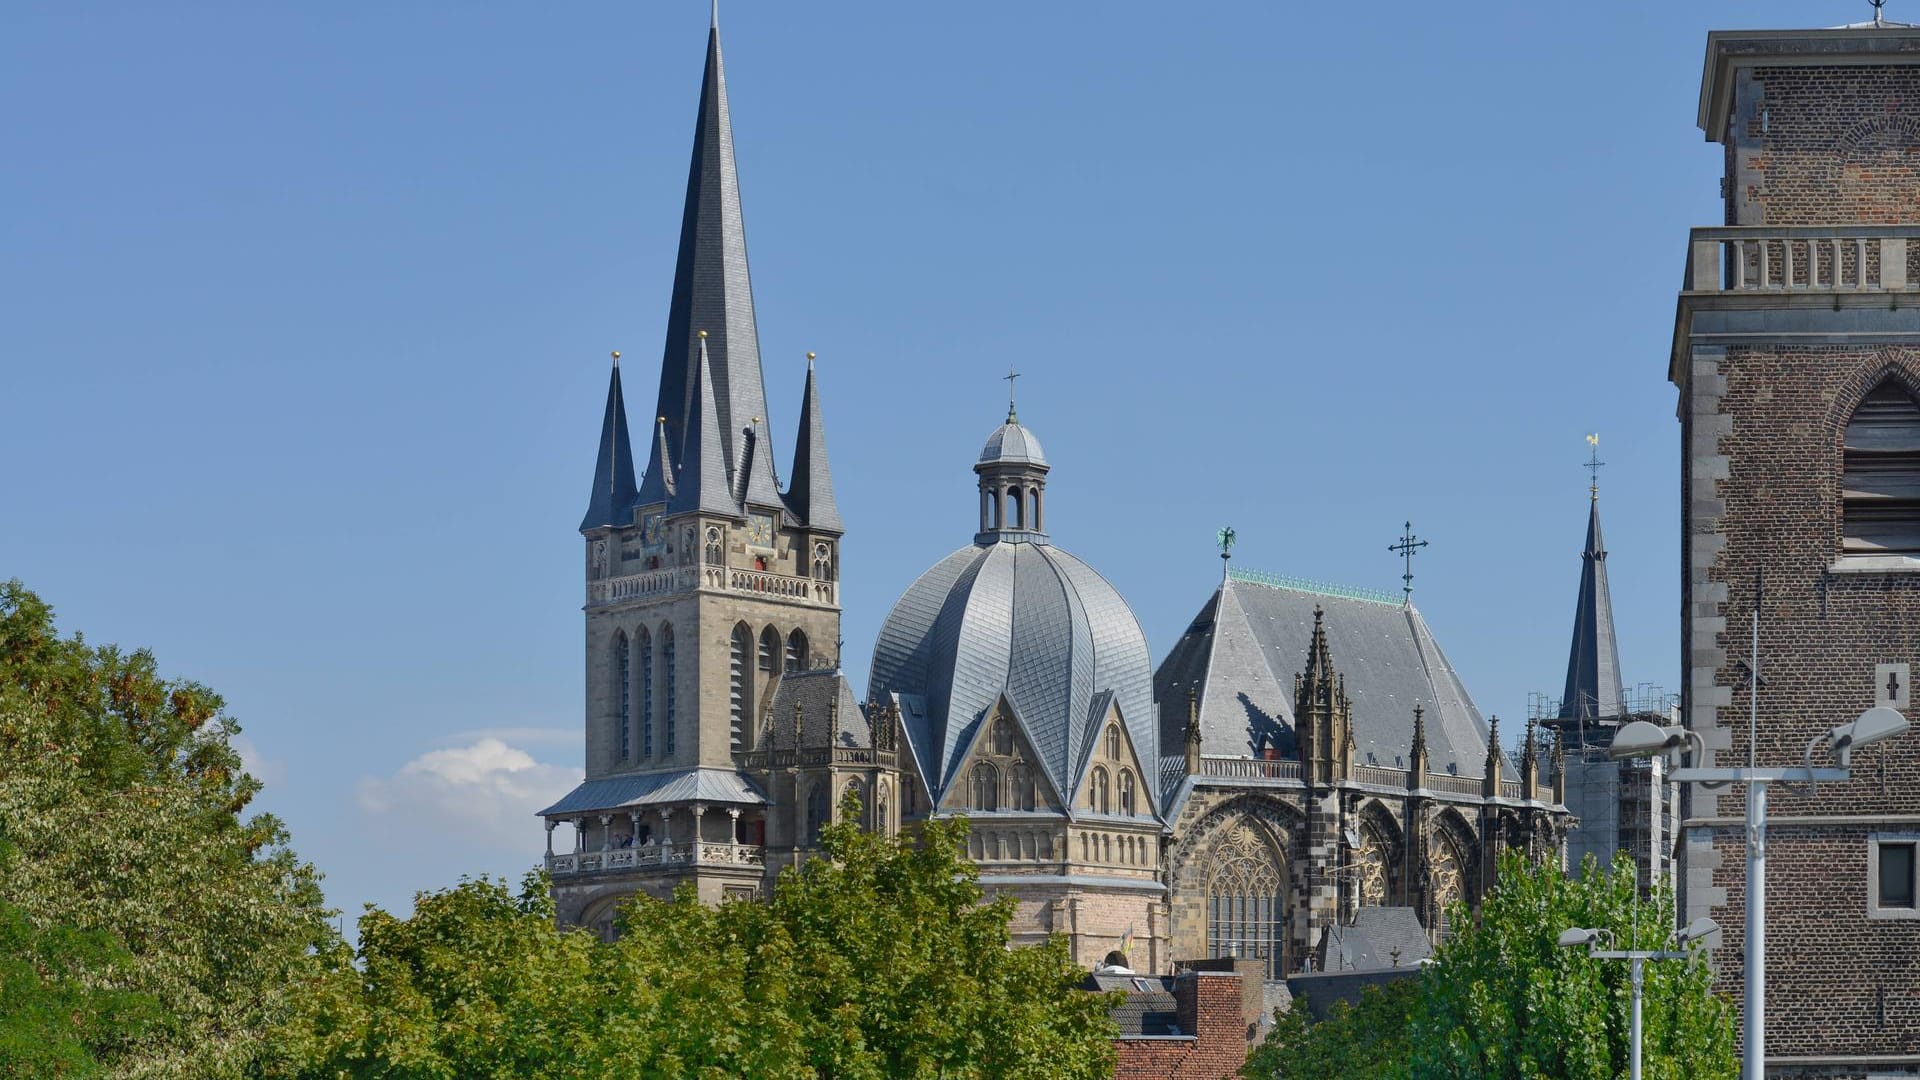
1301 755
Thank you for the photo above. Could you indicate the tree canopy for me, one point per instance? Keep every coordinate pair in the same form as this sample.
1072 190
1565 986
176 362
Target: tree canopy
876 959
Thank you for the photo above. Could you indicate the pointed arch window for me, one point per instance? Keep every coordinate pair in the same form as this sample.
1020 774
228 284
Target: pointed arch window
623 690
1371 867
1021 780
645 647
986 787
1113 742
1002 736
671 676
1126 792
796 651
1246 916
1881 491
1099 795
739 687
817 811
769 650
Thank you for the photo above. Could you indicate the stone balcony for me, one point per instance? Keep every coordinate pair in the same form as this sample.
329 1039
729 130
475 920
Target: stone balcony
706 578
1804 258
1243 768
657 857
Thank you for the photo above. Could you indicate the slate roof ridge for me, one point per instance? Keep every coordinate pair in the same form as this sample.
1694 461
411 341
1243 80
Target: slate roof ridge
1315 588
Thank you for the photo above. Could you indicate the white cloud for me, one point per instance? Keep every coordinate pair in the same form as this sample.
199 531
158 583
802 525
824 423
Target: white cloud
483 795
257 765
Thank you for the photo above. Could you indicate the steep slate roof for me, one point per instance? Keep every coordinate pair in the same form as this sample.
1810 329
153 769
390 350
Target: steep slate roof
810 484
1027 620
713 291
1593 689
613 496
825 698
1379 938
1244 647
646 789
702 483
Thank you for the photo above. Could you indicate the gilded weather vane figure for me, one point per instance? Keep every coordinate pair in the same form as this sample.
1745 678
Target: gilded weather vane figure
1593 465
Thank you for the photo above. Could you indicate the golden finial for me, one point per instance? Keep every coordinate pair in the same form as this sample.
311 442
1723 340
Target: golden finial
809 356
659 419
616 354
703 333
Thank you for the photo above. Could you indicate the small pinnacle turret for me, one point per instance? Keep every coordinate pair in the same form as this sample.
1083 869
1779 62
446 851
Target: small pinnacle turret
1593 688
702 483
614 491
810 487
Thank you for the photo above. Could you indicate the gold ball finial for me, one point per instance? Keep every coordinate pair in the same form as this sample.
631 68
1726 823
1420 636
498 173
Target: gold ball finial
809 356
703 333
616 354
659 419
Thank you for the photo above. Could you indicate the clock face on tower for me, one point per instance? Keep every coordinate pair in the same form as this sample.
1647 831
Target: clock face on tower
760 530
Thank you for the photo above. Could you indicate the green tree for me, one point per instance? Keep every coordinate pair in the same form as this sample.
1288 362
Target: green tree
1368 1039
54 1008
1503 1000
121 807
876 960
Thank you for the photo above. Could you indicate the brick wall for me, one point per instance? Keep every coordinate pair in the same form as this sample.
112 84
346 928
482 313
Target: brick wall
1209 1005
1817 145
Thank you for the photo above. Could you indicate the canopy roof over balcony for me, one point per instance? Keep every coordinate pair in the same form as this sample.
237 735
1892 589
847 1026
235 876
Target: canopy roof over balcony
656 788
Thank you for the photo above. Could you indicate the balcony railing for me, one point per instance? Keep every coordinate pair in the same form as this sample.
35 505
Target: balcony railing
817 755
1804 258
1236 768
657 857
724 579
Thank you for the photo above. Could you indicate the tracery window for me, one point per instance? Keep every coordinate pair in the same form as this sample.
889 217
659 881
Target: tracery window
623 688
1246 913
986 787
672 679
1022 782
646 693
1881 487
1446 881
714 556
1002 736
1371 866
796 651
1126 791
817 811
1098 793
739 687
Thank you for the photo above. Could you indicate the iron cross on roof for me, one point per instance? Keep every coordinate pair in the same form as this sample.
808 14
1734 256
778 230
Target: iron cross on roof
1408 544
1010 376
1593 465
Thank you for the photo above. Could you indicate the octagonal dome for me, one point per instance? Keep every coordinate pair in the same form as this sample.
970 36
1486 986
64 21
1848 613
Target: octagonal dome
1012 443
1027 621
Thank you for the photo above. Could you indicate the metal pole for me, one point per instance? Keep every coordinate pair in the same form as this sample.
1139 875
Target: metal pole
1756 1004
1634 1036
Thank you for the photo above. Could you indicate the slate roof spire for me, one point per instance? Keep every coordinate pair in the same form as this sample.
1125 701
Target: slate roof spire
702 483
1593 689
810 489
613 496
657 486
712 291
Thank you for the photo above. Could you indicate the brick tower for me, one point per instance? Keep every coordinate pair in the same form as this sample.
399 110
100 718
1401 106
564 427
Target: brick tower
1797 357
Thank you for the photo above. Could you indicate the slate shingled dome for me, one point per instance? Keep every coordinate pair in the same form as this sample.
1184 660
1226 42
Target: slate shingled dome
1012 443
1024 619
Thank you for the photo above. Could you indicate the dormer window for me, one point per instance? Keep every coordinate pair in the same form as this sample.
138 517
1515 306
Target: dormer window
1880 504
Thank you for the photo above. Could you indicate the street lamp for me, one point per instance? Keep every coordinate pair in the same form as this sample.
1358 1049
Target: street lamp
1576 937
1644 739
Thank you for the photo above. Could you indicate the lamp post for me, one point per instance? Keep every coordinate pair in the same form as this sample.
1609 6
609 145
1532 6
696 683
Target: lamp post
1644 739
1636 960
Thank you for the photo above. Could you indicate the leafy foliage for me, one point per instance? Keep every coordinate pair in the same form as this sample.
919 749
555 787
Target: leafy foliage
1364 1040
120 812
53 1013
876 960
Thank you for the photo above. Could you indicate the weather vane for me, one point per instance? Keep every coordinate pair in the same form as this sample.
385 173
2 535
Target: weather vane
1010 376
1408 544
1593 465
1225 538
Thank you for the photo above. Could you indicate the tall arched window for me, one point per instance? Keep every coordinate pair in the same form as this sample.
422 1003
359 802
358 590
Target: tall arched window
1033 496
1446 882
1113 742
1370 863
1881 503
1003 736
818 810
1019 502
1126 791
1098 792
623 692
672 679
740 687
796 651
645 646
855 789
1246 915
986 787
1021 779
769 650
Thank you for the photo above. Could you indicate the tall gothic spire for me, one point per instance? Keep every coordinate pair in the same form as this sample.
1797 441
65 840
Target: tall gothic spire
702 483
810 484
613 488
1593 689
713 292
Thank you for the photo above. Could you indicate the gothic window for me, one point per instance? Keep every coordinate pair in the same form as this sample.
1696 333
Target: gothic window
1097 791
796 651
1881 489
1113 742
672 680
1022 780
1002 736
643 645
740 687
623 691
854 789
1446 881
823 562
769 649
714 557
1126 792
1246 914
1370 864
817 809
909 802
986 787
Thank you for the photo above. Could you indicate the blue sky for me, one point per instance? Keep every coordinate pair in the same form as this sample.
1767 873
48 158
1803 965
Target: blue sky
305 312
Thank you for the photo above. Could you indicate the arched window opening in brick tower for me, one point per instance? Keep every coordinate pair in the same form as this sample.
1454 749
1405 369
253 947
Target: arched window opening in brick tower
672 680
1246 913
623 691
796 651
1881 490
644 646
740 687
986 787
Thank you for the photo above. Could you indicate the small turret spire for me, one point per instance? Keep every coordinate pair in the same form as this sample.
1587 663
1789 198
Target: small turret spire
810 491
702 483
1593 688
614 490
